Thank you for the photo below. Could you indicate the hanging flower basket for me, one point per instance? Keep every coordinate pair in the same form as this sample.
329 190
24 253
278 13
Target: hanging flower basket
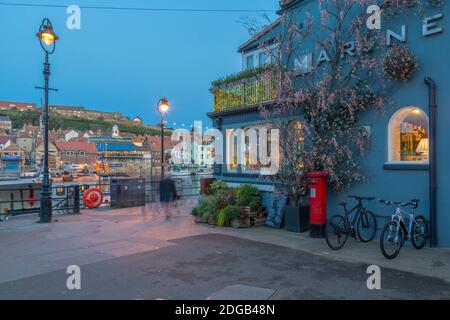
399 63
436 3
400 4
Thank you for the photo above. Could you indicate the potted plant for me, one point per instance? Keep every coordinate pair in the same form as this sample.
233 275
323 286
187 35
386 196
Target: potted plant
220 196
242 221
200 212
248 197
227 215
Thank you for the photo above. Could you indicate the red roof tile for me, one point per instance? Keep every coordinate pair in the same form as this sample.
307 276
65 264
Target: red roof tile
87 147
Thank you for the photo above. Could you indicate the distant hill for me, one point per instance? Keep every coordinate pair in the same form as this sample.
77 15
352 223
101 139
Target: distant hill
72 123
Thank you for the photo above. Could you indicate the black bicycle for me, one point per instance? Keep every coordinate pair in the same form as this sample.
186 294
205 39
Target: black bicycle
363 226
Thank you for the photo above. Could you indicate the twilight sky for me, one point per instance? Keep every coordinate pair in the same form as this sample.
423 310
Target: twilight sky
126 60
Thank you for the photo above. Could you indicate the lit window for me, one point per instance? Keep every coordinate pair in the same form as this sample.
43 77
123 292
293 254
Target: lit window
409 136
232 149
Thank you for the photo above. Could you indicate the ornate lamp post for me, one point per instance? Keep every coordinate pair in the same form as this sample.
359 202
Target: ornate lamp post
163 106
47 39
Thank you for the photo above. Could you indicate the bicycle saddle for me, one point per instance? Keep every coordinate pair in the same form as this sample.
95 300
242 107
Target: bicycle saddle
413 203
362 198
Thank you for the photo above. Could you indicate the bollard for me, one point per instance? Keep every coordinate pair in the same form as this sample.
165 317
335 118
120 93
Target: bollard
76 197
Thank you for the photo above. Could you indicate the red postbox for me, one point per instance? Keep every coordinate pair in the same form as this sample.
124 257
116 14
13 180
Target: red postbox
318 203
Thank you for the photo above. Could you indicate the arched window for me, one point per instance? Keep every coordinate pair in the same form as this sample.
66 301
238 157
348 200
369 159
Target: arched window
408 136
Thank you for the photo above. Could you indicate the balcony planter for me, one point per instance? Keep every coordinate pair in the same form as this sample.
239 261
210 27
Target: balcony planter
244 89
296 218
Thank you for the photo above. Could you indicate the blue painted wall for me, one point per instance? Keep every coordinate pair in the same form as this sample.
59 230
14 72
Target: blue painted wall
434 61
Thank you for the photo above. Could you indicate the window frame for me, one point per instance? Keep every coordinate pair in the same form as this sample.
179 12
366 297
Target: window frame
392 164
256 55
241 169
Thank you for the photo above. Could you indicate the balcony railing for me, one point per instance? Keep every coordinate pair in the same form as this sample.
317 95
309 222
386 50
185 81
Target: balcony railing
243 93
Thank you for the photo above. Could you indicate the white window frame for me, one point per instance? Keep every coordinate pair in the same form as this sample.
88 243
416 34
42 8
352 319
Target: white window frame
390 153
255 54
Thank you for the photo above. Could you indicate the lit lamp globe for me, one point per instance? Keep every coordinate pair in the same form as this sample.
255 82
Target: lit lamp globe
47 36
163 106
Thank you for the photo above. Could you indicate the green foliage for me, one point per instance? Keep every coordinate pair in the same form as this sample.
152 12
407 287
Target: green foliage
248 195
249 73
221 196
20 118
219 186
226 215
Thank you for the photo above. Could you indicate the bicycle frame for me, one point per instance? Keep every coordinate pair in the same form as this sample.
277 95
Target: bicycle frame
358 208
400 215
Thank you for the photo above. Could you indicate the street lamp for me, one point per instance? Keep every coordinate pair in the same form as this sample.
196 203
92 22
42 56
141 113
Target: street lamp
163 107
47 39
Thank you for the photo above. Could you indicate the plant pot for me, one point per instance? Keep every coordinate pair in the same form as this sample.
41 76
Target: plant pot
212 221
238 223
296 218
198 219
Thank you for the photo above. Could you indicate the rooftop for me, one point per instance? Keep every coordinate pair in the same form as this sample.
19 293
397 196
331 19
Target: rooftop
76 146
13 104
70 108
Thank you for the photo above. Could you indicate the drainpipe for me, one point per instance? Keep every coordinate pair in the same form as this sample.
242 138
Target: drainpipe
433 168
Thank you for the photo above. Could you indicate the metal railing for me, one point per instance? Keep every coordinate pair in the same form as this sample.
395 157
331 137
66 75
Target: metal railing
248 92
68 198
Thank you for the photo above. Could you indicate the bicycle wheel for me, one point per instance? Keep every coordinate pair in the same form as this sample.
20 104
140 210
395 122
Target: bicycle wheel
366 226
336 232
420 233
391 240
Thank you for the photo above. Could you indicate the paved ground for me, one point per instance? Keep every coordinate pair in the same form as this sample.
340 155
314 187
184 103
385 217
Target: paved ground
158 253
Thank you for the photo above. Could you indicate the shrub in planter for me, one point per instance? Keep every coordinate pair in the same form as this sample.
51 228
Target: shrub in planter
227 215
200 211
219 186
248 196
227 199
221 197
399 63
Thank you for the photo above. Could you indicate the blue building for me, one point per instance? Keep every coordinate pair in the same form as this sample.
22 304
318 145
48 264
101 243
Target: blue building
397 166
122 156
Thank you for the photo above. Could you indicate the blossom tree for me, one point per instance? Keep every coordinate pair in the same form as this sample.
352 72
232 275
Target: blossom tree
329 71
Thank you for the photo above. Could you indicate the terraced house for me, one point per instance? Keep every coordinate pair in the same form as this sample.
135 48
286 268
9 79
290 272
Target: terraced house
407 155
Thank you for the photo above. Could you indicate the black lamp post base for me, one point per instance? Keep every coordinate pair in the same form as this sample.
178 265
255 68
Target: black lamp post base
45 214
45 221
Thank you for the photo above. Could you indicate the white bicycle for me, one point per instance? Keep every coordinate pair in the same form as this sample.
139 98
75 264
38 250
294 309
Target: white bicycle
403 226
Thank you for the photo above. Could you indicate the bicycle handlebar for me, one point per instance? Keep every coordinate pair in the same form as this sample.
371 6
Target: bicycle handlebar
413 203
362 198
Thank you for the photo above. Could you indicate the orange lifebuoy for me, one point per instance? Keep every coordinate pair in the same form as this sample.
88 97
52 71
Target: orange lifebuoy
31 200
93 198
